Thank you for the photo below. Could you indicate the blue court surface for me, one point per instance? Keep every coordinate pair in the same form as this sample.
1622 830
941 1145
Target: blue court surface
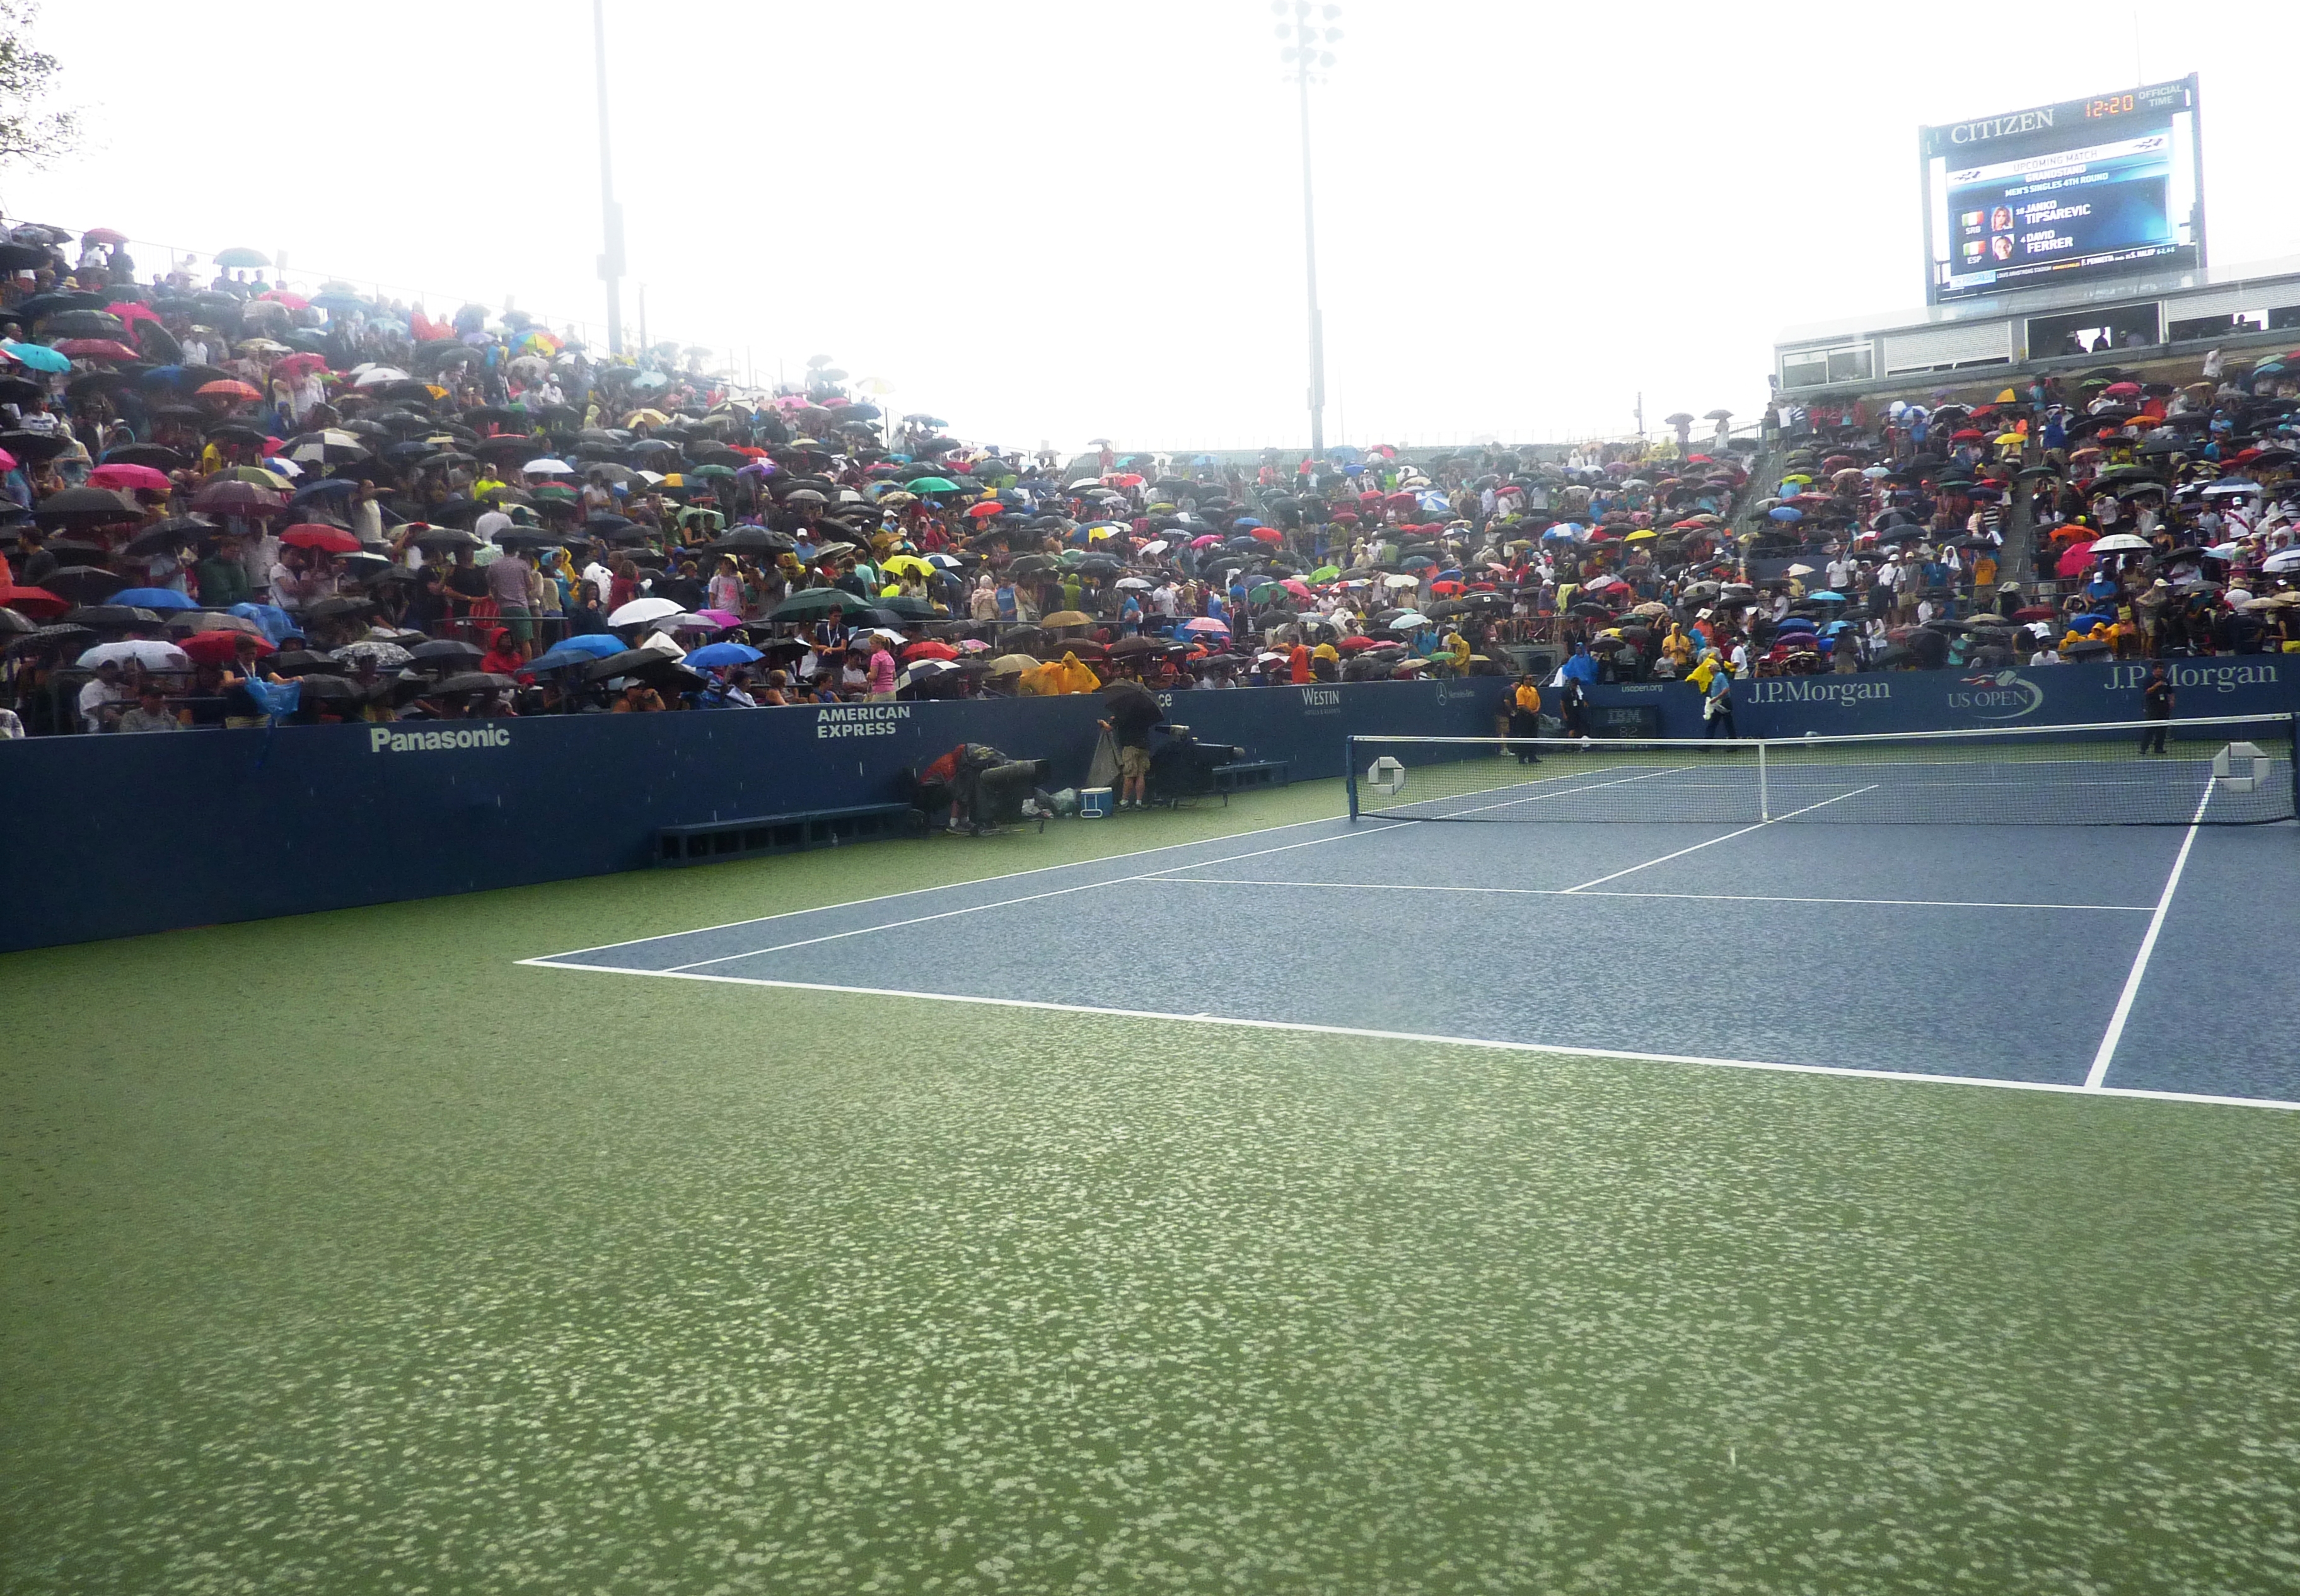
2132 961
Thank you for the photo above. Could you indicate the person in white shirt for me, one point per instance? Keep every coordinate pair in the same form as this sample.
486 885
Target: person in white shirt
104 691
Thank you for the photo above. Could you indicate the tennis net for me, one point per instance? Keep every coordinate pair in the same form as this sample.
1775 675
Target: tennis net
2223 771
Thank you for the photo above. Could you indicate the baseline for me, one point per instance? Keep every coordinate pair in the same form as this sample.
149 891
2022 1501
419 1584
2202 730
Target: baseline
1843 1072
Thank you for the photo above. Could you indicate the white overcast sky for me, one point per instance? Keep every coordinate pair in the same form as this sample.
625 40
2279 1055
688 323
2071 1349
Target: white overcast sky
1049 222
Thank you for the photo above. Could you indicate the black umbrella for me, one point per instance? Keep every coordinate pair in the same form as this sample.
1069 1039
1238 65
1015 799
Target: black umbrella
34 446
83 584
444 653
475 681
298 662
103 617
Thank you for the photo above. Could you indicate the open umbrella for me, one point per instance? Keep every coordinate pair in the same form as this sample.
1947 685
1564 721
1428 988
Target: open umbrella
641 610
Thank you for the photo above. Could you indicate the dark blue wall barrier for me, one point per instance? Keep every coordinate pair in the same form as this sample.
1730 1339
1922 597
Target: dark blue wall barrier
1898 701
113 835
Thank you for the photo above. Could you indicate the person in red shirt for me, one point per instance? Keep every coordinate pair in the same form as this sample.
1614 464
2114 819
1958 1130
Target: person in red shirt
1299 661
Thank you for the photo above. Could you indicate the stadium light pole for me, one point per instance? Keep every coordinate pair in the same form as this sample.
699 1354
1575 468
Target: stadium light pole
611 214
1305 53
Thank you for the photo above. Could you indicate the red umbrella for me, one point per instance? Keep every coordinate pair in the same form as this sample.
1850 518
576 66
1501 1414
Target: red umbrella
1350 645
38 603
930 649
106 237
132 478
226 389
989 507
1971 434
294 302
220 648
313 534
1267 534
94 349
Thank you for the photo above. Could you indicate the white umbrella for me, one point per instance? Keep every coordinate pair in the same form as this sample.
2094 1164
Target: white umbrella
640 610
548 467
2283 560
386 655
1800 571
1136 582
376 376
2121 543
147 651
1401 581
1407 618
1156 546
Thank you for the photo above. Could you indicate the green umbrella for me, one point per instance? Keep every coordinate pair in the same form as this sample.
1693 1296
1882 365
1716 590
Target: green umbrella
812 603
1326 573
931 485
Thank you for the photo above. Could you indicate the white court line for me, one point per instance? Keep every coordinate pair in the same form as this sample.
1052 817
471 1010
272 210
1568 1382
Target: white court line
1843 1072
1555 792
2098 1073
912 892
1727 838
1059 892
1168 878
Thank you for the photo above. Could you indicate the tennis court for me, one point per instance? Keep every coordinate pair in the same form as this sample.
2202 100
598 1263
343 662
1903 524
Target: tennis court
2127 956
1166 1244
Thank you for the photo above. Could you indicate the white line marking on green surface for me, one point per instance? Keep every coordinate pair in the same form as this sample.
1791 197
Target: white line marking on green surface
1843 1072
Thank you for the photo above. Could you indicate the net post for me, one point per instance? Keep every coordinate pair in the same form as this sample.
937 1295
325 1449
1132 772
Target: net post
1764 797
1350 772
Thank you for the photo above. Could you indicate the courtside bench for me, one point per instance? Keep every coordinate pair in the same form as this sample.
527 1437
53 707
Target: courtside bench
716 840
1249 773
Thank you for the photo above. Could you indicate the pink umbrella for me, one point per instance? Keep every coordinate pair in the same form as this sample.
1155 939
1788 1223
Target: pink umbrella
2075 561
1293 585
7 460
130 313
142 478
1206 623
720 618
1200 543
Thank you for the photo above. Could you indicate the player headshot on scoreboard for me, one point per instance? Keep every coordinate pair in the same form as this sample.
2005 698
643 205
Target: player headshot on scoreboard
2000 220
2001 246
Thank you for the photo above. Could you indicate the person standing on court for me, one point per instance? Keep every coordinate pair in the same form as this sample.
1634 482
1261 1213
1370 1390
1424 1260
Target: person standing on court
1718 707
1525 719
2156 709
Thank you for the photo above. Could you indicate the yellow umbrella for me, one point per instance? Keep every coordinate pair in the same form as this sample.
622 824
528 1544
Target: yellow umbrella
2007 397
653 418
900 563
1641 535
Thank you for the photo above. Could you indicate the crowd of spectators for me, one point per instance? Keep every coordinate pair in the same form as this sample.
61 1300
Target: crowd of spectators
234 505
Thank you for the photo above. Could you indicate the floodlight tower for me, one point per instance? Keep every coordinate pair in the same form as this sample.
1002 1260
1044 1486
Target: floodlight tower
611 213
1307 35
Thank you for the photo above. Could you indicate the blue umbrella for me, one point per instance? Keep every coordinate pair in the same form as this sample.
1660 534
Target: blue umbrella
1785 512
39 357
563 658
1826 597
152 598
275 623
712 656
595 645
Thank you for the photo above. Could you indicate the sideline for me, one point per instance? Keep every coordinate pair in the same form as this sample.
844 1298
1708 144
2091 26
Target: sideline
2098 1073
